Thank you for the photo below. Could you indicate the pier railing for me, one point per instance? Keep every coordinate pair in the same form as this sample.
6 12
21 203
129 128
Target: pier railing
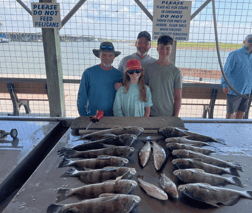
204 98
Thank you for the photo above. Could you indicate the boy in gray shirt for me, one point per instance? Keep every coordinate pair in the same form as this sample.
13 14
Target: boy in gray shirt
165 81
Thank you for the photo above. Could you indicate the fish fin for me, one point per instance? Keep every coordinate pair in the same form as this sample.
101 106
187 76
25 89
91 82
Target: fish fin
71 173
198 170
109 146
198 159
232 201
233 171
208 187
104 157
66 152
62 194
237 181
65 162
211 203
249 194
61 151
86 169
54 208
109 135
110 168
107 194
238 166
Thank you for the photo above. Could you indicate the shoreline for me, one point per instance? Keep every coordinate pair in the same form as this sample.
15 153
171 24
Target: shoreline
154 46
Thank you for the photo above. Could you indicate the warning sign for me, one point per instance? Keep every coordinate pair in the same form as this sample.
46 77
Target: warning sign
172 18
46 15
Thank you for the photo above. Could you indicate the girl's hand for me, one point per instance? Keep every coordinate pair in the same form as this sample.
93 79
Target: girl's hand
147 112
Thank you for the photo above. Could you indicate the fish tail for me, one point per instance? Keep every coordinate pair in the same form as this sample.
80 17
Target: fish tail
237 181
238 167
65 162
248 194
54 208
71 173
62 194
69 153
233 171
61 151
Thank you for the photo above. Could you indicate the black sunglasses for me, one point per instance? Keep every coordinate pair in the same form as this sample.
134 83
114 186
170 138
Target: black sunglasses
105 47
250 41
132 71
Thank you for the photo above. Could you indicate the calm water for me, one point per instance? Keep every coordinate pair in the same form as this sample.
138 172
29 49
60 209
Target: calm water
28 57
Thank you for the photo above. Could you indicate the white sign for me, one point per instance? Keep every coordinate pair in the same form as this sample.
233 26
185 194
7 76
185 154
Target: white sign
171 18
46 15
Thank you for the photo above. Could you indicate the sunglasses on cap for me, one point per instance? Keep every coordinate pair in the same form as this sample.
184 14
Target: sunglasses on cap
105 47
249 41
132 71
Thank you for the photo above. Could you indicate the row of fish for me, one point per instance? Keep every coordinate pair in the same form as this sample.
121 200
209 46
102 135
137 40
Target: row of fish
201 172
98 163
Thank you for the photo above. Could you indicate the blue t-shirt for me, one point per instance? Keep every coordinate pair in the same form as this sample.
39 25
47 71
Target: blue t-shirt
238 69
128 104
97 91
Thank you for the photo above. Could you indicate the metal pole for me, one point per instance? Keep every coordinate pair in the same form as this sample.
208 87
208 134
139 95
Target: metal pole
199 9
144 9
72 12
24 6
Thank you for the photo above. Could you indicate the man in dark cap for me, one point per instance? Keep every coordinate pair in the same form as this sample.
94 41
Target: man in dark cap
97 85
143 44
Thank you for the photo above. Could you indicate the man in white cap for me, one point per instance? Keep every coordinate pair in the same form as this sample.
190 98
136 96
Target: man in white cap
97 85
238 69
143 44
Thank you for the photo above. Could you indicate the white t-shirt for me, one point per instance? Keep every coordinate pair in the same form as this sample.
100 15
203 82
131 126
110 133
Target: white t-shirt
144 62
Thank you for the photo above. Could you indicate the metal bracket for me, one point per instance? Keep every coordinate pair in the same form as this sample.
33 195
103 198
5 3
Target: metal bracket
16 102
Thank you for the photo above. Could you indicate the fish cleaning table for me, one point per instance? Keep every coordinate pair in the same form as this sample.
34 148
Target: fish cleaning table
20 155
41 189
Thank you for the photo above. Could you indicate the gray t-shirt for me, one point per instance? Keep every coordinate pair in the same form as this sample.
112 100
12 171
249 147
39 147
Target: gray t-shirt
144 62
162 81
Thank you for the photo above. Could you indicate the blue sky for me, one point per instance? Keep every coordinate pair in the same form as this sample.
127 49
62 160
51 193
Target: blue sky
123 19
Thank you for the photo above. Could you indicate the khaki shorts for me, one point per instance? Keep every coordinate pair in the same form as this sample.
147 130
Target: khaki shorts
236 103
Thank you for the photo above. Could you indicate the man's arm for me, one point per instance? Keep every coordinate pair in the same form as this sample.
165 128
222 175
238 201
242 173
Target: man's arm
117 107
82 96
229 66
177 102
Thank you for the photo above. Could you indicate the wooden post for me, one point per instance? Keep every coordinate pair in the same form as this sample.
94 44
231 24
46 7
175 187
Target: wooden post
51 43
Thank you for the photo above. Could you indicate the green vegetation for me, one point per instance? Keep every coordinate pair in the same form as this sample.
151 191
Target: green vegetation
204 45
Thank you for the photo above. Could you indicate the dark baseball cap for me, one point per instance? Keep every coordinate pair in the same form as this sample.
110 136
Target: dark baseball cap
144 34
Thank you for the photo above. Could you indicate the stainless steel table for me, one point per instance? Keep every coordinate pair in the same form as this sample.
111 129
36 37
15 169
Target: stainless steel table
41 189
